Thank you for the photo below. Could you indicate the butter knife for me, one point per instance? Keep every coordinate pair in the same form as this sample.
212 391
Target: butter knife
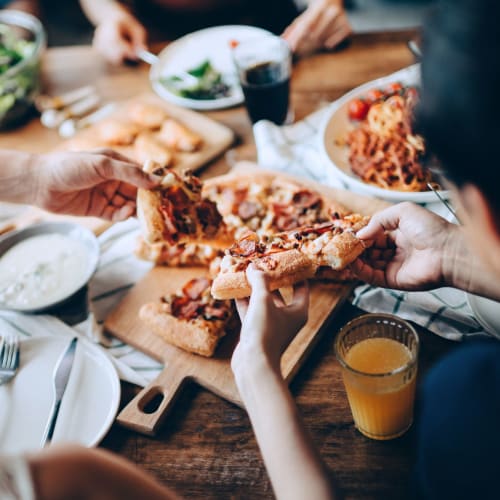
61 377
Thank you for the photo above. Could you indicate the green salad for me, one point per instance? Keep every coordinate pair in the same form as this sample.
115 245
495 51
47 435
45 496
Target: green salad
16 86
202 82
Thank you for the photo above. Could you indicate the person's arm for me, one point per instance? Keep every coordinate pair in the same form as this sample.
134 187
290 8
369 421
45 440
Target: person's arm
323 25
294 466
66 472
415 249
101 184
118 35
30 6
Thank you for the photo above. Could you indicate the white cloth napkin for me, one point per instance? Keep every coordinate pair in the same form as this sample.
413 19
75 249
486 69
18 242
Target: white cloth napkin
117 272
295 149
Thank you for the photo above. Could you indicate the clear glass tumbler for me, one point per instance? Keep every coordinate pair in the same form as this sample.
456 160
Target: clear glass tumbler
379 356
264 66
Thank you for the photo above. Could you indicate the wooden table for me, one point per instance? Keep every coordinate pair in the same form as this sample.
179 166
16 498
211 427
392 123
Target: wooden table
207 449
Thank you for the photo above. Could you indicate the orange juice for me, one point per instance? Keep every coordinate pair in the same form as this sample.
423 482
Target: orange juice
381 401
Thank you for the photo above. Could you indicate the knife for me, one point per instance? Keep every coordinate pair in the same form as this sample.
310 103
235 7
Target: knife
61 377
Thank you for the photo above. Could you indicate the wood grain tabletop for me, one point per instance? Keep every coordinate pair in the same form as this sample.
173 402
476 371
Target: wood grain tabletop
207 448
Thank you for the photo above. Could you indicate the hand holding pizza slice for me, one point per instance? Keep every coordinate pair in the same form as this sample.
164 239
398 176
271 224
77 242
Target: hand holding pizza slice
289 257
176 212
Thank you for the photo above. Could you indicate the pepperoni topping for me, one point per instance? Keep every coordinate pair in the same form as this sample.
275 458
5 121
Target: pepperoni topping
306 199
195 288
247 210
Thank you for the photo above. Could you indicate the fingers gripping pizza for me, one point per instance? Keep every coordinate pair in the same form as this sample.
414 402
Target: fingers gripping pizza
176 212
190 319
291 256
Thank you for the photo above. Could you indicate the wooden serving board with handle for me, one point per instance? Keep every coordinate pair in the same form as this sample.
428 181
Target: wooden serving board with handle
213 373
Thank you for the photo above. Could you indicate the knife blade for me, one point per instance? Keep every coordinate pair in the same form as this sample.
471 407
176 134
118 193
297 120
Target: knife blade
61 376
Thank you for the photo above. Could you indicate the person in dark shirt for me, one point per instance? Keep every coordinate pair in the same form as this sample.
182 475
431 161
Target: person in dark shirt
124 27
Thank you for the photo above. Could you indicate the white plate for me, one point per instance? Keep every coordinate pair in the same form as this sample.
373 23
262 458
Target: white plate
487 313
189 51
336 125
88 407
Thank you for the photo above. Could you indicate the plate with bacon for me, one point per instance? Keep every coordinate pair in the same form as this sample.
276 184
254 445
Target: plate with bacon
369 142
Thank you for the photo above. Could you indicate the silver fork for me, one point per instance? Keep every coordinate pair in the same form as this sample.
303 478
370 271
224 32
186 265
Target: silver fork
9 357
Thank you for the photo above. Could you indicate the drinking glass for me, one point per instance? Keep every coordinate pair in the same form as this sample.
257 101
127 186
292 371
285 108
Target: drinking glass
264 67
379 354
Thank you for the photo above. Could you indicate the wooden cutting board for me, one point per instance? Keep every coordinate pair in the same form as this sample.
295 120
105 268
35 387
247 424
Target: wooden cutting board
213 373
216 137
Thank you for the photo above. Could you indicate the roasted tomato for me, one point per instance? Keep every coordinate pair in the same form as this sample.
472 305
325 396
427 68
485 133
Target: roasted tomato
394 87
358 109
374 95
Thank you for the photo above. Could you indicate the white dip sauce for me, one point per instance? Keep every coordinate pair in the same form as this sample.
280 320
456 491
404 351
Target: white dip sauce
42 270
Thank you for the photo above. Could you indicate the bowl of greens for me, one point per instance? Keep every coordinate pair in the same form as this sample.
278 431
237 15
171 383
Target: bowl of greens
22 41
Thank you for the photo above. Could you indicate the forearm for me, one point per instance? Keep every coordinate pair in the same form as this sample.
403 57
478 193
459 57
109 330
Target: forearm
30 6
293 464
18 177
97 10
463 269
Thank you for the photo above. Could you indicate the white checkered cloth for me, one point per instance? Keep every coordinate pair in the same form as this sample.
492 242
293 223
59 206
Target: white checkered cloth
295 149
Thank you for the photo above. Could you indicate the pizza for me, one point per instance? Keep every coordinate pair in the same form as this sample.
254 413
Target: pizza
268 204
190 319
175 212
290 257
181 255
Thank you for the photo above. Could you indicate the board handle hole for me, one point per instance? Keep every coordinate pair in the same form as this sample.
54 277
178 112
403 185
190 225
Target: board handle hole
151 401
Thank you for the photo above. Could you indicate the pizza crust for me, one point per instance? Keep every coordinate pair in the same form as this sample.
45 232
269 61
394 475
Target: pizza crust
291 267
198 336
149 215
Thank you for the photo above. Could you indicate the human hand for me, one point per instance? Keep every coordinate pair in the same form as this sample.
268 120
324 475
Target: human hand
100 184
119 37
324 24
268 325
410 245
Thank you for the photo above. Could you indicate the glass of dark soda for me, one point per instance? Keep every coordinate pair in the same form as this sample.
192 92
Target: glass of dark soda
264 68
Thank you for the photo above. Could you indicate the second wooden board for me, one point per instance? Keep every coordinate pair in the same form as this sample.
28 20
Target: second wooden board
215 136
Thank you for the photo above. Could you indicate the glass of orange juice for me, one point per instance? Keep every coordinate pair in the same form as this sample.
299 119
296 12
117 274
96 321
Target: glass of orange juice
378 354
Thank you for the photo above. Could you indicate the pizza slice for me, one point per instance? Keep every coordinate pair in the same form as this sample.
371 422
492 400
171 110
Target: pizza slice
175 212
289 257
182 255
190 319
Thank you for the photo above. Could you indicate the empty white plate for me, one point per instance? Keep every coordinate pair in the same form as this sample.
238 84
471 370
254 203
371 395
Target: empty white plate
88 407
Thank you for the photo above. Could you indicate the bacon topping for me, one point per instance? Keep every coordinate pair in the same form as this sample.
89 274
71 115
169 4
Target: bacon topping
246 247
195 288
209 216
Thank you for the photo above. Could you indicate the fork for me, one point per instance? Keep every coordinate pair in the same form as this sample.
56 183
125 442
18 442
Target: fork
9 357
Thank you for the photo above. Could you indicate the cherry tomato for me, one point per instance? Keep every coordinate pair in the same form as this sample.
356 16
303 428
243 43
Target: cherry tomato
374 95
358 109
412 93
394 87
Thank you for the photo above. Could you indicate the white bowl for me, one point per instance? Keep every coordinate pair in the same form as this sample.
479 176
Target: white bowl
337 124
70 230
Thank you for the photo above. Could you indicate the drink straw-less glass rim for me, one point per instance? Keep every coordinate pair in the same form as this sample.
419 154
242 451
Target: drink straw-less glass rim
373 317
249 51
